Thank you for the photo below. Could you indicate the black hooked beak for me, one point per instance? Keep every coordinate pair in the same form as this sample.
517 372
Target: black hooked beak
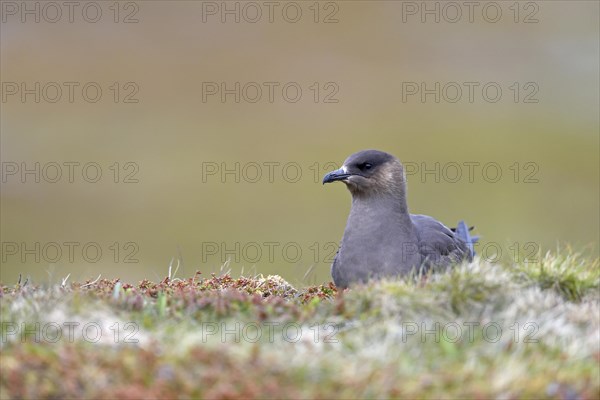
337 175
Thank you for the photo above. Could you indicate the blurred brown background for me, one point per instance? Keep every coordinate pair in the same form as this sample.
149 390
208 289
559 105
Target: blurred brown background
163 121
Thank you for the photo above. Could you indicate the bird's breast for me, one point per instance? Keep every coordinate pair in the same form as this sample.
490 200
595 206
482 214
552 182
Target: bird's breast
377 244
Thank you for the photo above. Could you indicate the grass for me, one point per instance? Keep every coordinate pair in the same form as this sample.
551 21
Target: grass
480 330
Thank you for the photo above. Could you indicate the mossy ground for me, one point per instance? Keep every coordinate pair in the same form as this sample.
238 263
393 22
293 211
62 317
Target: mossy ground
479 330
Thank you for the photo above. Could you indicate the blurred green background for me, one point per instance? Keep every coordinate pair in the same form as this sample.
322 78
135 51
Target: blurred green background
361 55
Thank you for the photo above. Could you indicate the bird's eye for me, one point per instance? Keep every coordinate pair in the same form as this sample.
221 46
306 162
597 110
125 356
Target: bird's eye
365 166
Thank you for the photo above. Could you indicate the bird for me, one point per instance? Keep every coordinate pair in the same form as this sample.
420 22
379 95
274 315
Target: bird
382 239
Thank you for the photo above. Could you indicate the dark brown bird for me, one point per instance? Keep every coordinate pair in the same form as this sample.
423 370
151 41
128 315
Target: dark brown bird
382 239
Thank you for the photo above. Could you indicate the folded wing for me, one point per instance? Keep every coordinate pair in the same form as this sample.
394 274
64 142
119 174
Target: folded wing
440 245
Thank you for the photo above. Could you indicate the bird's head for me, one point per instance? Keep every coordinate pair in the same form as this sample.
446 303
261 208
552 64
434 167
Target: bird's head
370 172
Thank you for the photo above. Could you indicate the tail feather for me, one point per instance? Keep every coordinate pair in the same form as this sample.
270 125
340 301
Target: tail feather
462 231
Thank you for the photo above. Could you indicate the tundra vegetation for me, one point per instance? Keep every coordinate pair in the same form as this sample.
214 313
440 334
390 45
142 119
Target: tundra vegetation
525 330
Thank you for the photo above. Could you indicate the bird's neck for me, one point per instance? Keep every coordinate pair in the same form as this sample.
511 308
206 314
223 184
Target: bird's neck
392 209
377 222
387 202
